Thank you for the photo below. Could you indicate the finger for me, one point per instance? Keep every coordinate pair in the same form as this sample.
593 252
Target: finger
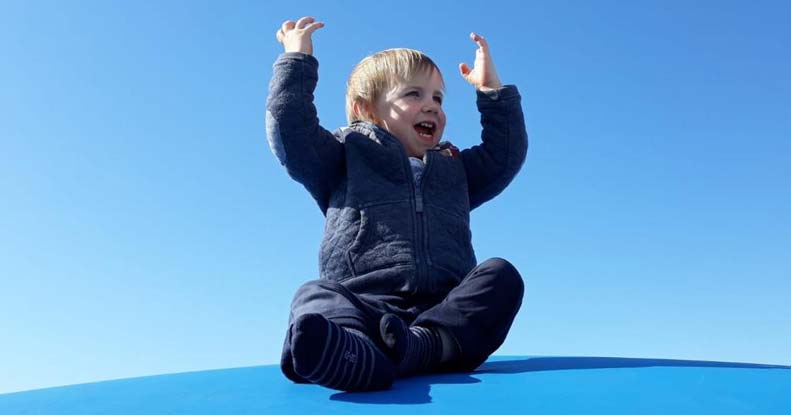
287 25
304 21
464 69
482 43
465 72
314 27
279 35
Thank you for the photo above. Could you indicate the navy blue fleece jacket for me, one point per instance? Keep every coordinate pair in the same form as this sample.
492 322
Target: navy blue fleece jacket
384 236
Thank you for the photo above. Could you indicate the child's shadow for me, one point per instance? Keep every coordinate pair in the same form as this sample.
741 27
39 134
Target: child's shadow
416 390
408 391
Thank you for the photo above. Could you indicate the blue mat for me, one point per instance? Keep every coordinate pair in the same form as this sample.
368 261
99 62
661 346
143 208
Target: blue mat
538 385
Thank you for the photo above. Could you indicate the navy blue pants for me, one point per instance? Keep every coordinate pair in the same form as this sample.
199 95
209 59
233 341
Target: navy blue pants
478 312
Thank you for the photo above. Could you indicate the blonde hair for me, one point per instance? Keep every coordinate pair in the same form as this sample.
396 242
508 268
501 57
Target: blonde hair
376 74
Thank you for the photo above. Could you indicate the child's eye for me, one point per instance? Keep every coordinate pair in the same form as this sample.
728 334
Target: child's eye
438 99
413 94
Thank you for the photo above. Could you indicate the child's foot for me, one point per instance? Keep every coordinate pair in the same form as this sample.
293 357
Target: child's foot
394 333
414 349
329 355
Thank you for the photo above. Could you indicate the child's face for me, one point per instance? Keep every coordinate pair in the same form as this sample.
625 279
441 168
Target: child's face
412 112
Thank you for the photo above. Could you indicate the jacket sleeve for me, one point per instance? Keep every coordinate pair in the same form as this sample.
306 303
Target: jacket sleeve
491 165
312 155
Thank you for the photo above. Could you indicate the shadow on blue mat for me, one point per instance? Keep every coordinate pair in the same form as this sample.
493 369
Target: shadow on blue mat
415 390
538 364
409 391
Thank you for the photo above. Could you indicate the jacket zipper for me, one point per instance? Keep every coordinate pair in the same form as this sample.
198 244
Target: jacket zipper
417 217
421 238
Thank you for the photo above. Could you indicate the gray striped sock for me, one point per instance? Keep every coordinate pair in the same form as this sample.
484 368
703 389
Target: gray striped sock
423 351
329 355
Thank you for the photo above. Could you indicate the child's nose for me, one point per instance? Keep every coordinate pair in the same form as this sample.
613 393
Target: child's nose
430 106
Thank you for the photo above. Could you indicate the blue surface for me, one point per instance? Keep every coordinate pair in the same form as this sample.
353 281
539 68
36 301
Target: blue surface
545 385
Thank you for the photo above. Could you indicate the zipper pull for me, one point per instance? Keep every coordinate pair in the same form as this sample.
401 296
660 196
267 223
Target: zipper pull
418 203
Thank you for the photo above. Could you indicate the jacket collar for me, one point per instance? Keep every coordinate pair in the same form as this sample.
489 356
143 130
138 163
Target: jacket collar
380 135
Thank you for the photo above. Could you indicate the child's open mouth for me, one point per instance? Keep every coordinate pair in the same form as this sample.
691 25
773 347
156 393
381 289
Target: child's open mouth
426 129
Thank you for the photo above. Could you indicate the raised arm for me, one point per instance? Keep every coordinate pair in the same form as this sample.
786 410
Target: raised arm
492 165
311 154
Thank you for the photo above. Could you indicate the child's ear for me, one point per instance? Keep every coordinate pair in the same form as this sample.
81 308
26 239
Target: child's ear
363 111
357 108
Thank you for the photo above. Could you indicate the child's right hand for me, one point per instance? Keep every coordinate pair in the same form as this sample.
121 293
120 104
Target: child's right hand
482 76
295 37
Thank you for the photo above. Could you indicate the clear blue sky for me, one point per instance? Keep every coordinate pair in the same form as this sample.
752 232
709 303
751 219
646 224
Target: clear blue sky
146 228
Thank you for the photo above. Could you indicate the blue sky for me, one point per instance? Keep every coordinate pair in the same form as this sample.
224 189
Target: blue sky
146 228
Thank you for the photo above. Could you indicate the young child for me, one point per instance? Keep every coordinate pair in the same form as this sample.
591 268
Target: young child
400 291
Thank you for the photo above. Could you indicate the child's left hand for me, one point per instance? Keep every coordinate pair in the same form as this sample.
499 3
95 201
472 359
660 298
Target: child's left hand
482 76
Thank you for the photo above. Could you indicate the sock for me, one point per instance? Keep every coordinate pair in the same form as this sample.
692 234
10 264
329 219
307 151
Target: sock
416 349
329 355
287 361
